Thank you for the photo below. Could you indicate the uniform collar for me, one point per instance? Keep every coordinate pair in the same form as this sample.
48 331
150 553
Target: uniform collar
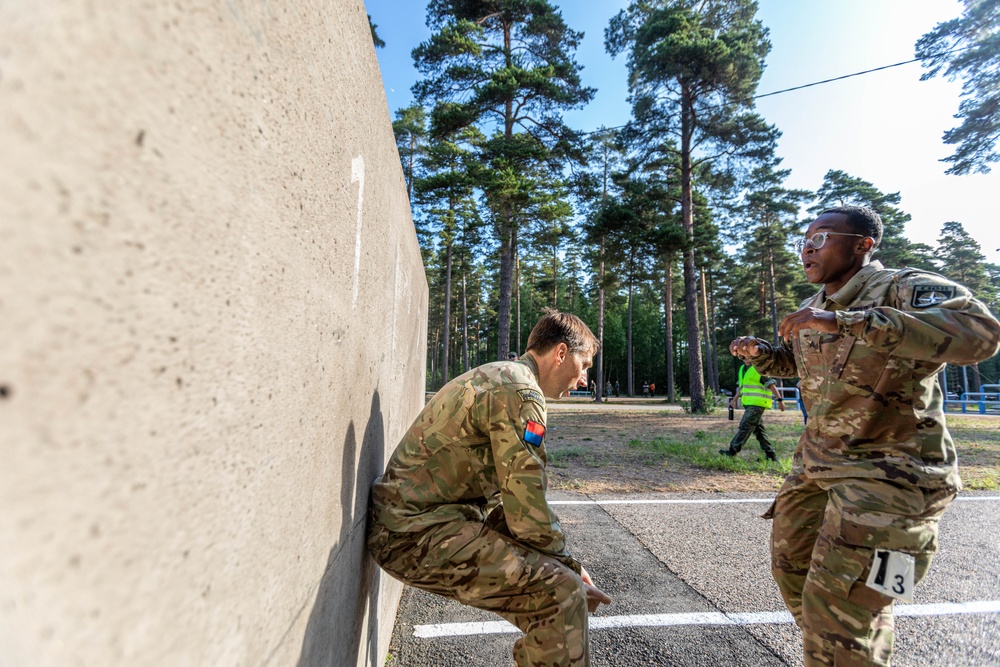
846 294
529 361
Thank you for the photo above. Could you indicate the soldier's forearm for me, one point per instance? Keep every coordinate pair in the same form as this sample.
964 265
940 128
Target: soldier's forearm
936 334
774 360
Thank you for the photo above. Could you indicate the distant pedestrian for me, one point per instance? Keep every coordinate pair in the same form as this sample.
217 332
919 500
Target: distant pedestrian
752 392
645 389
607 389
652 389
618 389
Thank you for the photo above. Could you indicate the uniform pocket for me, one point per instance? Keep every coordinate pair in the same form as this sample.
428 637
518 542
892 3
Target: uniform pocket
891 532
858 365
837 567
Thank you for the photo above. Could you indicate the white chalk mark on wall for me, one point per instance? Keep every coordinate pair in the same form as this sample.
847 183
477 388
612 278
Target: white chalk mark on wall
358 176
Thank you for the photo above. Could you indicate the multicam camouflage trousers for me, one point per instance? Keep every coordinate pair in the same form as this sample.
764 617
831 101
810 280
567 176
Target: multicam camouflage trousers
752 424
468 562
823 539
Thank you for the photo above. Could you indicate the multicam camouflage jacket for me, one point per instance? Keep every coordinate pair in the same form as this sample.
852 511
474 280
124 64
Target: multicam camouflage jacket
871 391
479 439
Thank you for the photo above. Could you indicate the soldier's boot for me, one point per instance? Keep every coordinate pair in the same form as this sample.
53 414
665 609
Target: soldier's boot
770 455
729 452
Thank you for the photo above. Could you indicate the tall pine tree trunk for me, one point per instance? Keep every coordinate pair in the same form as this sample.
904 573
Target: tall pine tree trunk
434 357
465 325
599 360
517 286
709 350
446 348
771 289
715 338
506 283
508 231
668 310
555 279
631 385
695 377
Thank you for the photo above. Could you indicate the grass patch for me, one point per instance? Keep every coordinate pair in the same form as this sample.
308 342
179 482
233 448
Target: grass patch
704 453
565 457
977 441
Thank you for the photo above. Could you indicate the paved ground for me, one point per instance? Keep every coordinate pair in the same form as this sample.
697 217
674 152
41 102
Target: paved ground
691 584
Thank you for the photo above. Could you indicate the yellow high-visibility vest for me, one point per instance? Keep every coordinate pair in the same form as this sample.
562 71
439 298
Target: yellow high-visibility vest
752 390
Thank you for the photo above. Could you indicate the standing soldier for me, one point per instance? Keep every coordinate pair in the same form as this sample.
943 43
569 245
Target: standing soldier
856 521
754 392
461 509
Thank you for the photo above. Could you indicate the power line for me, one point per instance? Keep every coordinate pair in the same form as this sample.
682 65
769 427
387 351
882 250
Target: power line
808 85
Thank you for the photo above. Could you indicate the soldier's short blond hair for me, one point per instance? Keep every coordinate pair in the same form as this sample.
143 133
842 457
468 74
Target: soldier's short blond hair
556 327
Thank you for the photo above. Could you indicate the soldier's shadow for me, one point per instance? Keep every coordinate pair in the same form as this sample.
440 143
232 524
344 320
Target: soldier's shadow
350 582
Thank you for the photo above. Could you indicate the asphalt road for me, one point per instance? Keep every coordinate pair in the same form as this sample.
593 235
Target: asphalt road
690 578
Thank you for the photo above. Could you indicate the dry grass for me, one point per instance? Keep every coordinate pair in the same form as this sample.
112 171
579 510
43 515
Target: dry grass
627 452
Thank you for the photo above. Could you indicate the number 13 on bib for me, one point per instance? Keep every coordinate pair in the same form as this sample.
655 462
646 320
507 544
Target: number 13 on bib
892 574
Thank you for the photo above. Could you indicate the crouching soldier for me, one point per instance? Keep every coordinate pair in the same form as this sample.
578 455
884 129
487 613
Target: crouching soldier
461 509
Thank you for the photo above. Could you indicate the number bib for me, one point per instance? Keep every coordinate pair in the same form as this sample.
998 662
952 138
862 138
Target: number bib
892 574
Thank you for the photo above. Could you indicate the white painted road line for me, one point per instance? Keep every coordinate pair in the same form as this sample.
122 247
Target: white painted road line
702 618
716 501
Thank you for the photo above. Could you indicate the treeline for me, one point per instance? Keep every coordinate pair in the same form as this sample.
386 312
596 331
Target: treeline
667 236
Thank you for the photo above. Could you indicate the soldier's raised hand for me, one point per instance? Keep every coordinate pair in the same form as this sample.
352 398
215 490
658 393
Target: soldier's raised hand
815 319
744 347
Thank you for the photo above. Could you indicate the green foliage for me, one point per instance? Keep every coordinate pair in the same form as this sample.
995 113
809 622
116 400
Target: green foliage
376 40
895 251
960 259
968 47
505 65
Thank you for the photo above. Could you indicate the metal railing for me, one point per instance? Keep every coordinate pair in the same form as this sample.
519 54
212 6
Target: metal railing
987 399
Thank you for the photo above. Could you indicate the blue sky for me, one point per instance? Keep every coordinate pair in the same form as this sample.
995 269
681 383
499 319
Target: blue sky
884 127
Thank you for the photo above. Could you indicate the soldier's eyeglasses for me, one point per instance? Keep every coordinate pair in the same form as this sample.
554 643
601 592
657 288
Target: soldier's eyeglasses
818 239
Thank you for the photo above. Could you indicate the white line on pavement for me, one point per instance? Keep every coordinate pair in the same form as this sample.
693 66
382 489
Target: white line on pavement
700 618
690 501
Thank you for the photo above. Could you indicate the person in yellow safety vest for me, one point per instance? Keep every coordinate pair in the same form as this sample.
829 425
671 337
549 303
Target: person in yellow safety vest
755 392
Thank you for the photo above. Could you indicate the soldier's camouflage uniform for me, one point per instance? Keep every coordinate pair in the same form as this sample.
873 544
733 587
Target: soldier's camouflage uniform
876 466
461 512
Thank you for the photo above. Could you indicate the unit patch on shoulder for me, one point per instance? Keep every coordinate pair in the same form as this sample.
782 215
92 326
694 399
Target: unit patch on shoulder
925 296
534 433
531 395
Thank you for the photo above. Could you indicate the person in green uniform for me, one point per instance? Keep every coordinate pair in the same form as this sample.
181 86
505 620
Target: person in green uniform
461 509
754 393
855 523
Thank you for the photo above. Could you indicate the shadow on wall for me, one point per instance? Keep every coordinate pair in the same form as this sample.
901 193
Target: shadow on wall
350 581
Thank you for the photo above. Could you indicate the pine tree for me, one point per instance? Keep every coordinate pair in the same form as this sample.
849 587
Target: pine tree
410 128
505 64
693 69
594 189
772 209
968 47
446 196
960 258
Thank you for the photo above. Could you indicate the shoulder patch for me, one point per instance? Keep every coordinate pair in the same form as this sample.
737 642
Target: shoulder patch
925 296
531 395
534 433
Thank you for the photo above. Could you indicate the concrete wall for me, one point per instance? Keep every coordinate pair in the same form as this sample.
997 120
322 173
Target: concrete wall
212 331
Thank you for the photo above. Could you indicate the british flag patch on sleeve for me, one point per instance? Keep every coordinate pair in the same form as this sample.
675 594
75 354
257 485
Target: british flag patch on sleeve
533 433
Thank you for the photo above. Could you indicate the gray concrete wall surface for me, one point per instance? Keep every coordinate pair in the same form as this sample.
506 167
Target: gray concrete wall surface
212 332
